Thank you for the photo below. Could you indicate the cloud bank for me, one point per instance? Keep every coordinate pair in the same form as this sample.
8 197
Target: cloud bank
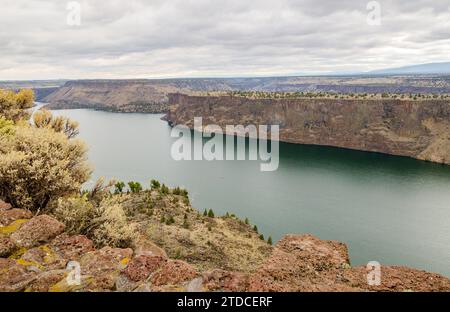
210 38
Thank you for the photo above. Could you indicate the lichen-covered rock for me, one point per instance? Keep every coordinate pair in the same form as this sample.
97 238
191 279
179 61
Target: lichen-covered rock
38 230
14 276
4 206
46 280
6 247
72 248
12 227
104 266
64 286
10 215
173 272
44 258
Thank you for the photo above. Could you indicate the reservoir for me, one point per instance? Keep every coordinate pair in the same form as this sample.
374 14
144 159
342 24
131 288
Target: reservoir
389 209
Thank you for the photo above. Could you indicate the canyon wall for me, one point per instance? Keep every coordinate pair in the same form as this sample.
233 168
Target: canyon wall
118 96
414 128
151 95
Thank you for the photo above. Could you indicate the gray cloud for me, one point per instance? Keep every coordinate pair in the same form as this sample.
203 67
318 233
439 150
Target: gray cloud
180 38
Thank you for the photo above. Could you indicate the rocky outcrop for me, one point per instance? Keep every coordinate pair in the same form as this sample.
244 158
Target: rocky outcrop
36 256
406 127
38 230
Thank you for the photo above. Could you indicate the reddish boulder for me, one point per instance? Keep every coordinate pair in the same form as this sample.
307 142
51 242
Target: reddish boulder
72 248
173 272
141 267
220 280
398 278
301 262
43 258
6 247
46 280
14 276
103 266
38 230
10 215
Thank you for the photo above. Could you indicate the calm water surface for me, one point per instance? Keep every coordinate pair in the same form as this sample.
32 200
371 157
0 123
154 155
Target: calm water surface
390 209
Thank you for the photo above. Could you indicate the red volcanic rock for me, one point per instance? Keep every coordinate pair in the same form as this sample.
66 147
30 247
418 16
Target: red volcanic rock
6 247
38 230
398 278
302 263
306 263
225 281
173 272
46 280
43 258
14 276
141 267
104 266
10 215
73 247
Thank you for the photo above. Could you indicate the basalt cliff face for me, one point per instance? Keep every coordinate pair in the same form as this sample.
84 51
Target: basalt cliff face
406 127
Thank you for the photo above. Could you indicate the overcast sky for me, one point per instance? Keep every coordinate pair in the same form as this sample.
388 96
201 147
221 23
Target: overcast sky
210 38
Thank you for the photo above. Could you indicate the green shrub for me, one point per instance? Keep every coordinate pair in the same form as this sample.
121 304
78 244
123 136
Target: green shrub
154 184
119 187
135 187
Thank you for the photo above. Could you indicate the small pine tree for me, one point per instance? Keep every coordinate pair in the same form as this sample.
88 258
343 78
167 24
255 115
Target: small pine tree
261 237
163 219
205 213
246 221
269 240
211 213
184 192
255 228
176 191
164 189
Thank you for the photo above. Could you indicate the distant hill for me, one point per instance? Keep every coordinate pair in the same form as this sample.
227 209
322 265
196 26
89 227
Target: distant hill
423 69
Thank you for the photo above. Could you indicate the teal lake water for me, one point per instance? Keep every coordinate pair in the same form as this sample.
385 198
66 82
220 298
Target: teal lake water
393 210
